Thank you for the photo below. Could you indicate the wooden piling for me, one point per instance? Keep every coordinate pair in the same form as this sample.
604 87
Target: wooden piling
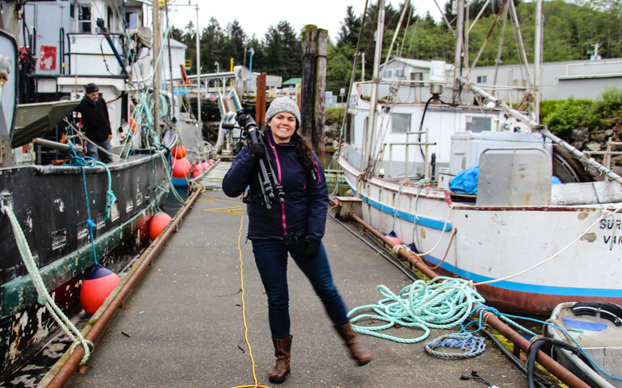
313 89
320 95
309 49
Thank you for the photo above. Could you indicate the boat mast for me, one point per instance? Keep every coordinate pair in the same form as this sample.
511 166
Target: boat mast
198 71
156 67
371 121
537 59
458 55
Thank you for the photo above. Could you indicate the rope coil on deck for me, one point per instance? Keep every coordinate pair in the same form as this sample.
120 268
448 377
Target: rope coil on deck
471 345
440 303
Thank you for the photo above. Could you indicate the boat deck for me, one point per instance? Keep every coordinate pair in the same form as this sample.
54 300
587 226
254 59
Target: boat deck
182 325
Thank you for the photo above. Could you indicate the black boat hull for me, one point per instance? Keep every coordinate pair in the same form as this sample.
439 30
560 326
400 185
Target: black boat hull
50 205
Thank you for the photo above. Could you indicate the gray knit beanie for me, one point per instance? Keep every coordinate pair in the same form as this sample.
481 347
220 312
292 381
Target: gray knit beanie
283 104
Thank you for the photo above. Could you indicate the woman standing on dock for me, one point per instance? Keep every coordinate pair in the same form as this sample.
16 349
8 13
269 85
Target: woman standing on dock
295 227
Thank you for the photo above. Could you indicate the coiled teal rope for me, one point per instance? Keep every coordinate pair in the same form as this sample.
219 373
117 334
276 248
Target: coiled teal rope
440 303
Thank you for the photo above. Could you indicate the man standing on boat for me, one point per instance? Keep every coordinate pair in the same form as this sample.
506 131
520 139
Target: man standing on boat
96 124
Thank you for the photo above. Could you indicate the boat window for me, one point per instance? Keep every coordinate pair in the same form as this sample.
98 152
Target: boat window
416 76
482 79
478 124
349 128
131 18
84 17
388 73
399 73
400 122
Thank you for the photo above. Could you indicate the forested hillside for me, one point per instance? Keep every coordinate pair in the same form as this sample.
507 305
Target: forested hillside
571 29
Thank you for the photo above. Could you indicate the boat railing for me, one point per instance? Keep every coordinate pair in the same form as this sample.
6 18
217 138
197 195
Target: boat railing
426 163
607 154
85 52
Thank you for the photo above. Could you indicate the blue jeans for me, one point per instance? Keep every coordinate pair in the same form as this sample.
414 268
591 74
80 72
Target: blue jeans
93 151
271 259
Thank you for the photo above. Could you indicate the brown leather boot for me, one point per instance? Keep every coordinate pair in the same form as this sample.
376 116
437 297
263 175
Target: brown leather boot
357 352
282 349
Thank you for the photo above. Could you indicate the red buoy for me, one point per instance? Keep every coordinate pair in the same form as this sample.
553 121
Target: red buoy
96 287
210 161
181 167
205 164
157 224
178 151
196 173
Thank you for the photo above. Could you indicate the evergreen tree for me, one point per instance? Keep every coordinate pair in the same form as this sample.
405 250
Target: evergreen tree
273 49
349 30
212 41
235 43
292 50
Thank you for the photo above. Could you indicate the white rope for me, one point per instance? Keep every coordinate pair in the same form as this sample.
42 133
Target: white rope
606 213
44 296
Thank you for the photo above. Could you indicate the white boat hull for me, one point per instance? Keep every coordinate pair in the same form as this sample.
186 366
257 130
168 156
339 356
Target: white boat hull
495 242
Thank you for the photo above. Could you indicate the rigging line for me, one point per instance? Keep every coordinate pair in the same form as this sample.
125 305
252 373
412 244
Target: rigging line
520 41
494 23
413 38
606 213
406 31
501 39
444 17
480 14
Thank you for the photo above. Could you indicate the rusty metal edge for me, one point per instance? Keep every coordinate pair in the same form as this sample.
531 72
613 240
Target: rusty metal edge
547 362
64 368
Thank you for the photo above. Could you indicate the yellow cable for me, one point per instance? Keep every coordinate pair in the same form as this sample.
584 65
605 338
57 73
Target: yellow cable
238 211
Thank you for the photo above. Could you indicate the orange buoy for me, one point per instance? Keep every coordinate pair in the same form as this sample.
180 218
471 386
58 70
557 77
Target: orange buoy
210 161
196 173
205 164
157 224
96 287
178 152
181 167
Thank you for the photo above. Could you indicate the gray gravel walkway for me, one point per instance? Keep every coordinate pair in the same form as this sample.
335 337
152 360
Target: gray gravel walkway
186 328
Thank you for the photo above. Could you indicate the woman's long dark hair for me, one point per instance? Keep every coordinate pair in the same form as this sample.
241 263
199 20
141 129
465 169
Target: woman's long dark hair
304 152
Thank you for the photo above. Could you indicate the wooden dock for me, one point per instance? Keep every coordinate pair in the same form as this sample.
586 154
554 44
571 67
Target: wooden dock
182 326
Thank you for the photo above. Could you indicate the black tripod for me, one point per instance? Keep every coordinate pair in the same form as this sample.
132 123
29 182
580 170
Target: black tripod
267 178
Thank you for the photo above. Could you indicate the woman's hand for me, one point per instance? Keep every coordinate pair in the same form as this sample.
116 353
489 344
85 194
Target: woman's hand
310 249
257 151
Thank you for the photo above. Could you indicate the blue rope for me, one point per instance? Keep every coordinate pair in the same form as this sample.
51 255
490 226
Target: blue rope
507 317
110 197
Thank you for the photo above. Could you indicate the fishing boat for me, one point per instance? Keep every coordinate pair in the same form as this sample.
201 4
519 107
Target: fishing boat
597 328
59 212
527 244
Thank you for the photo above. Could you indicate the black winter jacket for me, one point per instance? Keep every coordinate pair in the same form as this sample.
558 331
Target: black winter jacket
95 120
306 197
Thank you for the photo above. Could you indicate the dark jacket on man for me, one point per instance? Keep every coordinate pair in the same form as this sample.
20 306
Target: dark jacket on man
95 120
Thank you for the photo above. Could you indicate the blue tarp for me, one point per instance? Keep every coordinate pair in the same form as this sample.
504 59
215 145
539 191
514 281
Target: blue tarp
465 182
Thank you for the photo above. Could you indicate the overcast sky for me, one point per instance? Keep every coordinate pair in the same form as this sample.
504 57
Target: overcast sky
256 16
